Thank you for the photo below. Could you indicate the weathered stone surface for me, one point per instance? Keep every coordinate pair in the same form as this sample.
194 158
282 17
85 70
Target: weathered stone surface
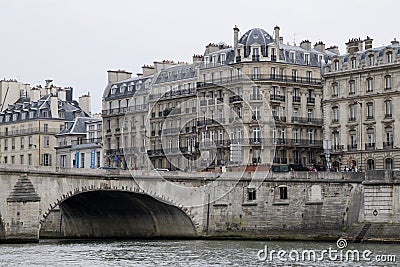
23 191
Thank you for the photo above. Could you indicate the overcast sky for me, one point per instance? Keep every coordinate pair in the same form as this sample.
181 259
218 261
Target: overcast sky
75 42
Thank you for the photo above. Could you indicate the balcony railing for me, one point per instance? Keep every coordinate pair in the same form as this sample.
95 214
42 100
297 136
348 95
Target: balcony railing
296 99
387 145
337 148
370 146
277 97
34 130
352 147
307 120
235 98
310 100
259 77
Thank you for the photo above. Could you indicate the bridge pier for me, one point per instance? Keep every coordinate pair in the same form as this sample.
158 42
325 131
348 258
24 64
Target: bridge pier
21 223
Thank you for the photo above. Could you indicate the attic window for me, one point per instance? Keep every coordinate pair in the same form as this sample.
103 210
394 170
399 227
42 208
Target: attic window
62 114
255 36
291 56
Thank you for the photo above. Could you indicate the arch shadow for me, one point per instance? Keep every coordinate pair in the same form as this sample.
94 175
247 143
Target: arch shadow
120 214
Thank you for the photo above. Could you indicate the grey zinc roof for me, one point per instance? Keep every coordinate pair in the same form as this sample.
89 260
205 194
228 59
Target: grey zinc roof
71 108
78 126
256 35
137 83
176 73
23 191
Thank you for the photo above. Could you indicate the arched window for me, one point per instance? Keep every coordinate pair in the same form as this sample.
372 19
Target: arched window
370 164
389 163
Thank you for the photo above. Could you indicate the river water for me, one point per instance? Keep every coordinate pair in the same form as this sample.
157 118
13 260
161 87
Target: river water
192 253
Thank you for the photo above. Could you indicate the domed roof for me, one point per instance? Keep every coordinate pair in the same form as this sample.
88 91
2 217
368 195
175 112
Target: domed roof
256 35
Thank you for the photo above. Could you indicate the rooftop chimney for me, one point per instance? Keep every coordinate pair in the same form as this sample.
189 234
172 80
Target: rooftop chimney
368 43
197 58
85 103
306 44
320 47
118 75
54 106
333 49
277 38
394 42
235 36
147 70
354 45
35 94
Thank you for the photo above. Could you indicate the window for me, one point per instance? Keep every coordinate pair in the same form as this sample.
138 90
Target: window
5 160
389 163
251 194
46 141
283 192
389 57
29 159
389 137
292 57
223 58
370 138
335 137
22 142
21 159
46 159
46 128
307 59
336 65
12 159
256 93
353 63
370 85
273 72
296 135
370 164
371 60
352 87
370 111
256 113
256 73
335 89
388 108
30 141
256 135
388 82
311 136
13 143
82 160
352 112
294 75
335 114
256 56
310 115
308 76
353 139
63 161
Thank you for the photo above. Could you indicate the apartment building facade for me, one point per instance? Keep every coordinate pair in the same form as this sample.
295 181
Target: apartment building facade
360 95
28 127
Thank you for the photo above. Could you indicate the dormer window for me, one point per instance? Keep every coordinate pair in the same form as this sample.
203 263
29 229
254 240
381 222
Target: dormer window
31 114
45 114
15 116
256 55
371 60
389 57
62 114
23 115
336 65
307 59
292 56
8 118
223 58
353 63
113 89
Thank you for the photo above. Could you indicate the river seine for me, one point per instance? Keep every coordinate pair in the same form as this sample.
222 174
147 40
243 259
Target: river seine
197 253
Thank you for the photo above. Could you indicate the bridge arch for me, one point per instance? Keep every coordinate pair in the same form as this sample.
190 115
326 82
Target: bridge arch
113 213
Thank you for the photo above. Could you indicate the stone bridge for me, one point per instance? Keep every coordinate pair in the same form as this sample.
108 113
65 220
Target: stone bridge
46 202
